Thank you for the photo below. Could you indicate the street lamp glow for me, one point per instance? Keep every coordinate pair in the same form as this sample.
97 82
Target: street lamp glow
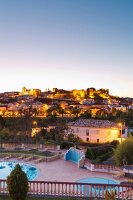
119 124
35 123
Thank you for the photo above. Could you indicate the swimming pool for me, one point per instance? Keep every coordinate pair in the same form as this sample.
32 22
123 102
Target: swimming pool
7 167
97 180
97 190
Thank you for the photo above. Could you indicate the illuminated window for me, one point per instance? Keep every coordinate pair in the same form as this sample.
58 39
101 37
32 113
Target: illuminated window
87 139
109 133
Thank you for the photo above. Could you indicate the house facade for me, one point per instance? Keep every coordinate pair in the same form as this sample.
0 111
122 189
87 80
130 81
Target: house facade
96 131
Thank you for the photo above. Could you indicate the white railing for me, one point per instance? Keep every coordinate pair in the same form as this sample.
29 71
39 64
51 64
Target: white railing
42 188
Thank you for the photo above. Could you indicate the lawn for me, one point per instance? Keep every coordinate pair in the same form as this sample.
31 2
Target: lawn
19 152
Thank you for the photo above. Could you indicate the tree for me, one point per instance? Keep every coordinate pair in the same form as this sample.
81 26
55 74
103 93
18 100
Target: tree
76 111
86 114
35 112
114 112
58 133
123 152
61 111
2 122
5 134
52 111
68 110
102 114
73 138
89 154
110 195
43 135
26 122
17 184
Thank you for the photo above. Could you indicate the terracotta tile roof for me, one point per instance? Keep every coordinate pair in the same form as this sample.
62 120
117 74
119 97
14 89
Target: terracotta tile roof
93 123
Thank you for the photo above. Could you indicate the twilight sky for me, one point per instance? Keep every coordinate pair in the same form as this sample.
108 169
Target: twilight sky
67 44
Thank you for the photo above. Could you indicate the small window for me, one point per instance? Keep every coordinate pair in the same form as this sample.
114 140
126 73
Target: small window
97 140
97 131
77 130
87 132
87 139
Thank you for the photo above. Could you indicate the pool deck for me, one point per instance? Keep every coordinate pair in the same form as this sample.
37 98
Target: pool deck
64 171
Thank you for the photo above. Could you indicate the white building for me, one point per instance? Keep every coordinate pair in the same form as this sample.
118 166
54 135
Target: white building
96 131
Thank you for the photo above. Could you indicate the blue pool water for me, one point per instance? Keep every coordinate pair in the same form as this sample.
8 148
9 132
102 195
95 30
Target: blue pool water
96 189
7 167
97 180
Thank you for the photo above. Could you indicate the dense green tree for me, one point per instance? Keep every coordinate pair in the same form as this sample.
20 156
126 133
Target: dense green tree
2 122
73 138
43 135
61 111
52 111
76 111
102 114
130 113
26 125
17 184
89 154
86 114
123 152
5 135
130 134
58 133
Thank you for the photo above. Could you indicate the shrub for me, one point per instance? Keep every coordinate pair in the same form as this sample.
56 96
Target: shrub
114 143
91 144
101 158
105 156
98 151
110 195
66 145
101 150
96 161
123 152
17 184
99 154
89 154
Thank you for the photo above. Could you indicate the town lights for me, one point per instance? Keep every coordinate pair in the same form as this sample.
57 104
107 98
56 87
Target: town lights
35 123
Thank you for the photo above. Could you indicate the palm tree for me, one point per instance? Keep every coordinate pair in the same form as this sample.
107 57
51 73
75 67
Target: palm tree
51 111
61 111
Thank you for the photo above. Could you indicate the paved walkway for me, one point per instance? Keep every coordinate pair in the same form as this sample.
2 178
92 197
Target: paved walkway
66 171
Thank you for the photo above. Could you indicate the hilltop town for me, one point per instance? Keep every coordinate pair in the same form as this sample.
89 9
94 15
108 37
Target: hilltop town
61 102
